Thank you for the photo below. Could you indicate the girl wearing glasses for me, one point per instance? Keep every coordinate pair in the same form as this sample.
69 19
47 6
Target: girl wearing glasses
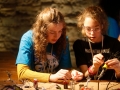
96 49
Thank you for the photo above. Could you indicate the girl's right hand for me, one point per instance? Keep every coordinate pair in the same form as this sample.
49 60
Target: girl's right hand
61 74
98 60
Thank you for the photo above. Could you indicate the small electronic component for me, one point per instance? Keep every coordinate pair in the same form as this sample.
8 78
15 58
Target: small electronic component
35 84
65 83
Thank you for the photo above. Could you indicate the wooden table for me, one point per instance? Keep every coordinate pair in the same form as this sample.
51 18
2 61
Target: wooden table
92 84
7 63
52 86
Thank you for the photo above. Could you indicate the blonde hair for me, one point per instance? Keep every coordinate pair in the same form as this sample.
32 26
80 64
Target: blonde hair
96 13
47 16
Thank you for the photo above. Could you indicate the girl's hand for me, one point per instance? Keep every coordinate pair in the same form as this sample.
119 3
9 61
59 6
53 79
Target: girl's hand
113 64
98 60
61 74
76 75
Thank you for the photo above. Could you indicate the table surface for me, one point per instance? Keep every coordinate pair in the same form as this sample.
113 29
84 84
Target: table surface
52 86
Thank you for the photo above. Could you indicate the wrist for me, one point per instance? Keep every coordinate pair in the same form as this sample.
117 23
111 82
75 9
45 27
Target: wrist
52 78
92 71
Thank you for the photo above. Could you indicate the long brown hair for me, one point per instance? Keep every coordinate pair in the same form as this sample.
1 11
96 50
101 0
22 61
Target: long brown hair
47 16
96 13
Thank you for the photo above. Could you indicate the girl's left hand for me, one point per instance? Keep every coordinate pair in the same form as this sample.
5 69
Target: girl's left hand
76 75
113 64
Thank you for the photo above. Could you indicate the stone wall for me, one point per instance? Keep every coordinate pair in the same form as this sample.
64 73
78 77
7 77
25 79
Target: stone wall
17 16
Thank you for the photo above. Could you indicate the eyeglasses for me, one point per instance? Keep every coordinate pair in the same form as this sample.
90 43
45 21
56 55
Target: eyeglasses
89 29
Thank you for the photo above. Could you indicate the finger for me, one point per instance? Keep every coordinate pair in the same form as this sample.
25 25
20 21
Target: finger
61 75
66 74
99 56
78 76
74 73
112 62
64 78
113 66
97 62
67 78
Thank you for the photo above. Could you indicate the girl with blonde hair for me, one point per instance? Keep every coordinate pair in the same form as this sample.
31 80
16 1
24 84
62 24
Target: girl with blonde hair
96 49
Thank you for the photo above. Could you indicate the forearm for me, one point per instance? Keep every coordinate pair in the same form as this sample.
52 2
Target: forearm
86 74
117 70
24 72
